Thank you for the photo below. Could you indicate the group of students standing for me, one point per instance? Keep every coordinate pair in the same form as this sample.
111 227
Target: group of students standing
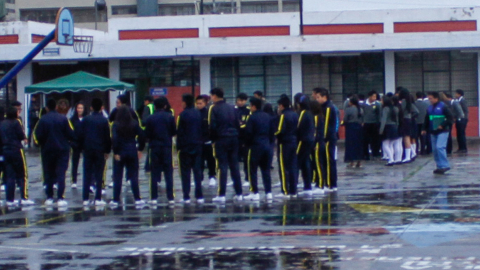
304 134
403 126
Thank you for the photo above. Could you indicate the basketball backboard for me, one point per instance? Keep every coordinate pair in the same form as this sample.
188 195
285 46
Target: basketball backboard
64 30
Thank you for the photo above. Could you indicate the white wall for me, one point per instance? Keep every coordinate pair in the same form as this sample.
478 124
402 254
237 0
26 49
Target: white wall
341 5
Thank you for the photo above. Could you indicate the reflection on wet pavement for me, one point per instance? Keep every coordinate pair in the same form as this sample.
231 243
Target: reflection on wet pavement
381 218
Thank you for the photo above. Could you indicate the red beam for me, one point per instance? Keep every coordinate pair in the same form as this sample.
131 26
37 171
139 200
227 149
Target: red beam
335 29
250 31
446 26
158 34
9 39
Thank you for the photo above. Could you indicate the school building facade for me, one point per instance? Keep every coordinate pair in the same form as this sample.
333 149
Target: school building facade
347 49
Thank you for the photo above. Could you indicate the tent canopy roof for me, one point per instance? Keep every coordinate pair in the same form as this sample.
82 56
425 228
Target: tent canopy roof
79 81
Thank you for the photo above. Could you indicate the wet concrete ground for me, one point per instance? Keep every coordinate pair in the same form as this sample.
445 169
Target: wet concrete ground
401 217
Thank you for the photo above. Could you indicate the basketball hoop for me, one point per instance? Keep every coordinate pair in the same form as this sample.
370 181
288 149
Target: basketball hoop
83 44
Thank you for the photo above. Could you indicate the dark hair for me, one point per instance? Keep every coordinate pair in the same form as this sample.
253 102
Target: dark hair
361 97
388 102
188 99
296 101
404 94
371 93
434 94
316 108
268 108
256 102
217 92
389 94
123 99
148 98
448 95
322 92
124 121
355 102
242 96
460 92
284 101
75 113
16 103
97 104
12 113
420 94
203 97
51 104
160 103
304 103
258 93
349 95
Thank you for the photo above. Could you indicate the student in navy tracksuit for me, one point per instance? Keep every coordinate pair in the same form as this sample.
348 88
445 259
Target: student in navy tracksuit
159 130
330 137
243 111
207 150
94 136
224 128
189 146
306 142
12 135
125 134
54 134
287 146
258 134
76 121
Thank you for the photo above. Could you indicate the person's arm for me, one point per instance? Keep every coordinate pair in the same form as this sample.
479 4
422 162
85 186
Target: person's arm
459 110
248 131
415 111
330 123
448 118
180 131
19 132
107 138
426 123
383 120
140 137
39 133
212 123
281 126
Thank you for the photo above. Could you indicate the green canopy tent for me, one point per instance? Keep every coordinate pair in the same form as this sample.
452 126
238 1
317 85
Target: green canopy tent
76 82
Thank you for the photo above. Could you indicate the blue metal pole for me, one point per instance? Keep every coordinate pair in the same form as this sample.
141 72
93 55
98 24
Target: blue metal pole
14 71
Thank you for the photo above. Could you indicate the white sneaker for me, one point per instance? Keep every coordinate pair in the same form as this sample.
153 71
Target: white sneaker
55 186
110 185
212 182
27 202
171 202
281 196
318 191
49 202
246 184
113 203
92 189
252 197
269 196
200 201
230 184
186 201
306 193
100 203
334 189
74 186
238 198
153 202
277 184
219 199
86 203
61 203
300 185
292 196
104 192
12 203
2 188
139 202
192 184
328 190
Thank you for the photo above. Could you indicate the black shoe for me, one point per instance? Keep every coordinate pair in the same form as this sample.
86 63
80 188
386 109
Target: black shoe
444 170
437 171
390 164
461 151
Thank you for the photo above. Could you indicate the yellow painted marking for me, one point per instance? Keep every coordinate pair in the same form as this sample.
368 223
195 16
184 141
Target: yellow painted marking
375 208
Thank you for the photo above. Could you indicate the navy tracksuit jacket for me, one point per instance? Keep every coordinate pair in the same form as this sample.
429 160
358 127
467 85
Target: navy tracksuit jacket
11 136
159 130
287 146
189 146
54 134
224 128
259 134
94 137
306 142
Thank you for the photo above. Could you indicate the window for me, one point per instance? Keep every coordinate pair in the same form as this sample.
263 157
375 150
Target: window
48 15
176 10
124 10
220 8
443 71
271 74
344 74
10 10
11 1
291 6
259 7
